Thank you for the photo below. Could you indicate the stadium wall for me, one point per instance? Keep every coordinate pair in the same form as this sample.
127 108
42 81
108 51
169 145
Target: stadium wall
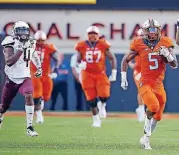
66 28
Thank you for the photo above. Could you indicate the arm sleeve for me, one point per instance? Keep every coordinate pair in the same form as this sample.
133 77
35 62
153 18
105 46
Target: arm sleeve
36 60
73 61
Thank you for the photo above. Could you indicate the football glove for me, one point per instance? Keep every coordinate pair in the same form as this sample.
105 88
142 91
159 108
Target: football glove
38 73
166 53
113 75
82 65
124 83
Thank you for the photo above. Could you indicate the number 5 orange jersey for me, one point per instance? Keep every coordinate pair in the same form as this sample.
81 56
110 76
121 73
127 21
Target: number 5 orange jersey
95 57
152 64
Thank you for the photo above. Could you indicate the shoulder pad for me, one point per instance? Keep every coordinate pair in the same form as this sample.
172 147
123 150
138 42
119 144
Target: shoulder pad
8 41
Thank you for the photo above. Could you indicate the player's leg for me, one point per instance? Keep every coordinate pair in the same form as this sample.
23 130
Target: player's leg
91 97
141 108
26 89
9 91
37 95
161 96
103 91
88 85
153 106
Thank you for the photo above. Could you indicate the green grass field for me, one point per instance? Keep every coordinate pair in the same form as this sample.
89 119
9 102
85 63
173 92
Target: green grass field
75 136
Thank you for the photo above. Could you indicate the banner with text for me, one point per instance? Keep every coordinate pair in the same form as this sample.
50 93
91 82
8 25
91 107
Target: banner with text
66 28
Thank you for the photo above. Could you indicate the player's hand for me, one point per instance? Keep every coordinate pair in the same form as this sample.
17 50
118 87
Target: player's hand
38 73
124 83
164 51
178 23
82 65
113 75
27 44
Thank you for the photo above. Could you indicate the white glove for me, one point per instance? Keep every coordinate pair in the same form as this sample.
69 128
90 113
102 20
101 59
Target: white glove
53 75
124 83
113 75
38 73
82 65
164 51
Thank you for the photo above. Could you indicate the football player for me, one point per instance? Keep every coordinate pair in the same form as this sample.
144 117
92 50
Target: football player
43 85
92 55
154 51
19 50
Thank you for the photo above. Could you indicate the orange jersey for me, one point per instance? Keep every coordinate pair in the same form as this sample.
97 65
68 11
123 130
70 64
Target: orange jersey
152 65
45 53
94 56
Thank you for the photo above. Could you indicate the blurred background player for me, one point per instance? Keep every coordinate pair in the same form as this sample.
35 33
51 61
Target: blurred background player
43 85
79 92
60 83
177 34
92 55
19 50
153 65
135 65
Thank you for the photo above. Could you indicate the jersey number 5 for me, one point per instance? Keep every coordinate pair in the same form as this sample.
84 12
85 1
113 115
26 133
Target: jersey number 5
154 60
90 56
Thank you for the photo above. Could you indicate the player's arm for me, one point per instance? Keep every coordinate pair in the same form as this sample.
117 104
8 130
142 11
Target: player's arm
37 63
124 66
74 64
10 57
57 56
113 62
169 55
173 63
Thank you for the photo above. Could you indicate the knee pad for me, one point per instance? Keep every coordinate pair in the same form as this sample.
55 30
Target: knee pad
92 103
103 99
37 100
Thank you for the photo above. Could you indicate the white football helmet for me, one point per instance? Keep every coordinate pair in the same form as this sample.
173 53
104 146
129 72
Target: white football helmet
93 33
92 29
151 29
40 35
21 30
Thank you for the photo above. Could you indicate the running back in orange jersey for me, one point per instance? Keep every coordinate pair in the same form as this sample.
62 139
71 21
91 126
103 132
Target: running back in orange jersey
94 56
45 53
152 64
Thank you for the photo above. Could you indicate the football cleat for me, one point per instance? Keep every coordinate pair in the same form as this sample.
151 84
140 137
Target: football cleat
145 143
31 132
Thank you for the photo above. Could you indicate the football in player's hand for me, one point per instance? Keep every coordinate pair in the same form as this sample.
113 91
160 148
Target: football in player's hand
164 58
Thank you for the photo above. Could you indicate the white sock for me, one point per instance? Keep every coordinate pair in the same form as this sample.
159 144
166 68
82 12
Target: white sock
96 118
141 107
42 104
147 126
153 124
29 114
39 113
1 117
103 104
